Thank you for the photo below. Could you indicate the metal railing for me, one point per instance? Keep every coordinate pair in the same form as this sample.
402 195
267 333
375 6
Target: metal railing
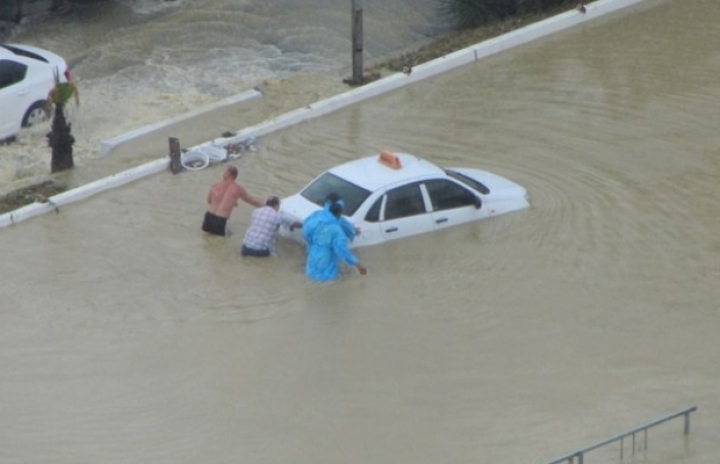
580 454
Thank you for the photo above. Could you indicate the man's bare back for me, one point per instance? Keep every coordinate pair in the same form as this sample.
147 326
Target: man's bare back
224 195
222 198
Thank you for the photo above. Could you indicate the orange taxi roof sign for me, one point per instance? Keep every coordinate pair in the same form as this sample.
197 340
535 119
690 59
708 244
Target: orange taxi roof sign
389 159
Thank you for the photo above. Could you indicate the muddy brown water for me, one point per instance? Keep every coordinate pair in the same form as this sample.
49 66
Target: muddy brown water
128 337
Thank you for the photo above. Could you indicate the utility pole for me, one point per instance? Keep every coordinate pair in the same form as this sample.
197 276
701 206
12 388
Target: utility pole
357 42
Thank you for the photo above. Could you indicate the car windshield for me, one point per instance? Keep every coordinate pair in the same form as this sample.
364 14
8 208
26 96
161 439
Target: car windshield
351 195
472 183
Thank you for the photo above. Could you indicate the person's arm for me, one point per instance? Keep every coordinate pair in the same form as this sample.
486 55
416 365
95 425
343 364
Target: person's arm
309 226
339 244
247 198
289 223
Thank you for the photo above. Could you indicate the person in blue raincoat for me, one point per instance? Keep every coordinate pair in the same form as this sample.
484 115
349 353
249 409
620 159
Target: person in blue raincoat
346 225
327 246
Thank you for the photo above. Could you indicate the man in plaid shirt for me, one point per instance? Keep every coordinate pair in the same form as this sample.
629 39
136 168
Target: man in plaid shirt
260 237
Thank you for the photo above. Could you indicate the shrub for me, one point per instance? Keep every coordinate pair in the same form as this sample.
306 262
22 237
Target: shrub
465 14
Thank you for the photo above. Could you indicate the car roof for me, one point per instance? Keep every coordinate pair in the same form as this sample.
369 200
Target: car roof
372 174
5 53
29 52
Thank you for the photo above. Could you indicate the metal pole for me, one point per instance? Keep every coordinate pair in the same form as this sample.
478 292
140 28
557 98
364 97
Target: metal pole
357 41
687 422
175 155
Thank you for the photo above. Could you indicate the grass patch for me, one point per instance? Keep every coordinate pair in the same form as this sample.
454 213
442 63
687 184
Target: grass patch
27 195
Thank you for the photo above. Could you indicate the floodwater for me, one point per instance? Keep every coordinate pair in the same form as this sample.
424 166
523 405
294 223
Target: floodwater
128 337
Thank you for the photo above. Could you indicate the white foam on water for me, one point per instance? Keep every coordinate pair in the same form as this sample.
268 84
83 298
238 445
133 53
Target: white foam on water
146 7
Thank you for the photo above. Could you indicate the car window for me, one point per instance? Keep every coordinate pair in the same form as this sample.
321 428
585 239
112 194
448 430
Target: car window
404 201
480 187
373 214
351 195
445 194
11 72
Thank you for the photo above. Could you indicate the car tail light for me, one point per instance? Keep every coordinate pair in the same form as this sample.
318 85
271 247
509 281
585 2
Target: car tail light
67 75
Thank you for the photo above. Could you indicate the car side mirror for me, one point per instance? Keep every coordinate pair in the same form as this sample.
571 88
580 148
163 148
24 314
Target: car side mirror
477 202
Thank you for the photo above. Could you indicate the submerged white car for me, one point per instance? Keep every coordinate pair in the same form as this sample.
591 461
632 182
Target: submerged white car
395 195
27 75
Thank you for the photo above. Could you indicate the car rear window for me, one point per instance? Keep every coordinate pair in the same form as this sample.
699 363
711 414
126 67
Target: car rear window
351 195
11 72
482 188
25 53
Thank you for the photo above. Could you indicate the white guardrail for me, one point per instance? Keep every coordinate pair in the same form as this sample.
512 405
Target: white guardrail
420 72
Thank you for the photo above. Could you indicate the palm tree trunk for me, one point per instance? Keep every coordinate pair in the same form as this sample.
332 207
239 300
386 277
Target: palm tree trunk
61 141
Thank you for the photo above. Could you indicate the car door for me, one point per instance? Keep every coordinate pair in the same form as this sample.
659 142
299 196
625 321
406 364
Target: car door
405 212
12 101
14 96
367 219
452 203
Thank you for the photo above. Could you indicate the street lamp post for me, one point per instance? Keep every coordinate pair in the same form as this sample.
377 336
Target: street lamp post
357 42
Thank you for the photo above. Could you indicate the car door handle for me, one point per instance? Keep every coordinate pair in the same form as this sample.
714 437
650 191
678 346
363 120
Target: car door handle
440 221
392 229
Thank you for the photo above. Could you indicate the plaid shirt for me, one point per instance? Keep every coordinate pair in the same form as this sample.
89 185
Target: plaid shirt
264 224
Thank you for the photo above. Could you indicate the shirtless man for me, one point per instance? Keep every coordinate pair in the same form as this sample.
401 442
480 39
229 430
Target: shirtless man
222 198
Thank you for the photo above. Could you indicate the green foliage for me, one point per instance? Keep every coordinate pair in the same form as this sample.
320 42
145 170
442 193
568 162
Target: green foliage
60 138
465 14
61 94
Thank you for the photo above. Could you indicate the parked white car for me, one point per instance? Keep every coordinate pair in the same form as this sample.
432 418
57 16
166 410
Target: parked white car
394 195
27 75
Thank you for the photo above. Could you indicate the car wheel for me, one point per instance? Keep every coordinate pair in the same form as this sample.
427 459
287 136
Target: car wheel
35 114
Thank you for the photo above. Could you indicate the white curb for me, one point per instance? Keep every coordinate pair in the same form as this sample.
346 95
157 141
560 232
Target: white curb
431 68
83 192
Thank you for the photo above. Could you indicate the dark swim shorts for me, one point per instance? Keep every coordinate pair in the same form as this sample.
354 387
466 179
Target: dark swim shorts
214 224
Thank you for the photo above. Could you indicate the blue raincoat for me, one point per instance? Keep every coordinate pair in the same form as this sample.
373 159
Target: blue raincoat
322 215
327 245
